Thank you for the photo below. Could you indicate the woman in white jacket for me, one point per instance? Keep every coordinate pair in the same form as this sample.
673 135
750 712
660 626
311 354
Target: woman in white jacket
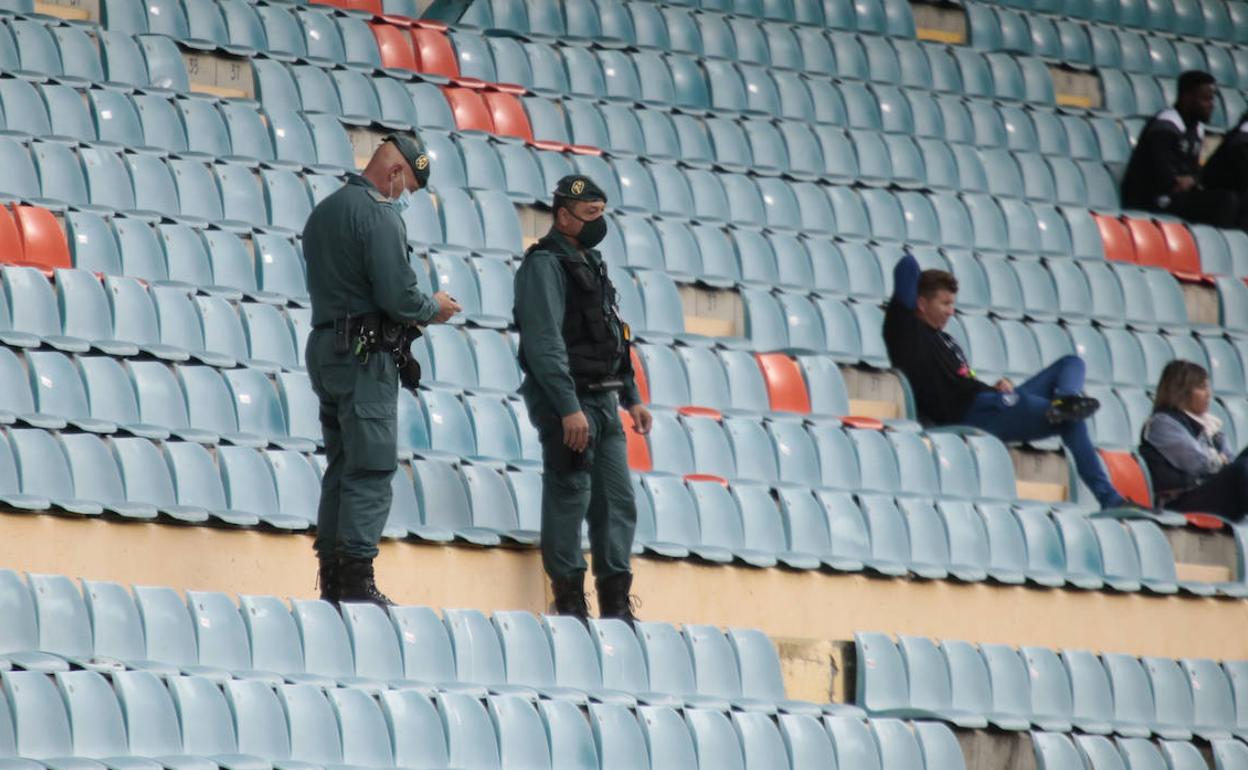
1193 467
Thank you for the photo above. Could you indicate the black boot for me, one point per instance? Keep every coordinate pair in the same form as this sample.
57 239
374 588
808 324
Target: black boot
570 597
614 600
327 579
357 584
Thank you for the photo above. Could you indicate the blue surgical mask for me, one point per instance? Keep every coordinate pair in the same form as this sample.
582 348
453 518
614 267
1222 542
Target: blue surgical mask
405 198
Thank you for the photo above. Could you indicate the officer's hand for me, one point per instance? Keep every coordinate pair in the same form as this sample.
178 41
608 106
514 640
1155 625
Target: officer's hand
641 418
447 307
1004 386
1184 183
576 432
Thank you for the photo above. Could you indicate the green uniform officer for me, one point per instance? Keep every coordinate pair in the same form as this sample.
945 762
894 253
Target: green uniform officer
574 353
364 293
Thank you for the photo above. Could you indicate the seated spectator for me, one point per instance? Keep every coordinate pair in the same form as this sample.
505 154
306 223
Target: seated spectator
947 391
1227 168
1164 171
1189 459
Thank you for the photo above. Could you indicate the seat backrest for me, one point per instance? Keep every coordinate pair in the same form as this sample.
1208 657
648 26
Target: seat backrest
274 637
151 719
471 738
116 625
314 732
94 714
968 674
204 716
61 614
326 648
882 684
220 632
619 739
166 625
716 744
1011 686
855 745
624 665
425 645
40 725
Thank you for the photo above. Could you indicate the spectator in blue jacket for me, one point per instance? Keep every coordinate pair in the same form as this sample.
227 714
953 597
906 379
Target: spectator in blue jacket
946 390
1192 465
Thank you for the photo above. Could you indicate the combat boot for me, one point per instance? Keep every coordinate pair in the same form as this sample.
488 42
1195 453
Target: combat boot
614 600
570 598
356 583
327 578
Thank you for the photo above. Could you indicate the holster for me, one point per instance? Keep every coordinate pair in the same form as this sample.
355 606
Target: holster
408 366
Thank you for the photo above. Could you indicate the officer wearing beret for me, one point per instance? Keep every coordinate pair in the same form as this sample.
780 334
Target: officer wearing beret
365 301
575 357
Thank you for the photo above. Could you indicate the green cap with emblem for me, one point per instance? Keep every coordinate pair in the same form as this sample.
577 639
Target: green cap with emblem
579 188
413 151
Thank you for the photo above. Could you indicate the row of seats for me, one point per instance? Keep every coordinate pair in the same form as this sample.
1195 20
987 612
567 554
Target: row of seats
191 190
667 26
906 536
55 626
1035 687
1103 45
1223 19
1054 750
122 316
195 721
193 126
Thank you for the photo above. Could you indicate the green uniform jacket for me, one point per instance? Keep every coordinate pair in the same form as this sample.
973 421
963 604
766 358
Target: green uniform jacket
355 247
540 299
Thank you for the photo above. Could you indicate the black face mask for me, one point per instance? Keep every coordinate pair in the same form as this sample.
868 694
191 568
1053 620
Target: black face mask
592 231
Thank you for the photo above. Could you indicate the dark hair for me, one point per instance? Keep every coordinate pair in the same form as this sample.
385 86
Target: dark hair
560 202
1178 380
1192 79
932 281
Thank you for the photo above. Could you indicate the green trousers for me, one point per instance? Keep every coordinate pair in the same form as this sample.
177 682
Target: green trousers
596 487
358 409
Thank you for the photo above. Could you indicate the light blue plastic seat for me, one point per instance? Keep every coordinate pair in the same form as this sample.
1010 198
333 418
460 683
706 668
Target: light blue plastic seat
715 742
1133 695
206 724
618 738
972 689
479 657
1212 699
261 726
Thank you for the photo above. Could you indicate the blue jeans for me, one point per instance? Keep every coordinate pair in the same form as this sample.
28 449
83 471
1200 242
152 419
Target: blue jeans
1021 417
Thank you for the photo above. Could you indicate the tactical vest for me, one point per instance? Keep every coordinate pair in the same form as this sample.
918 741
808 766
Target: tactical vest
592 330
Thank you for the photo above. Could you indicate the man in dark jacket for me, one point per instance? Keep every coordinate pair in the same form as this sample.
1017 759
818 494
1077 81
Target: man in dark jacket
1227 168
1164 172
946 390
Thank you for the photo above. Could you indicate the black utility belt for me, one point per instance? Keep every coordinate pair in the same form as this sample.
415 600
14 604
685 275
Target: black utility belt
600 386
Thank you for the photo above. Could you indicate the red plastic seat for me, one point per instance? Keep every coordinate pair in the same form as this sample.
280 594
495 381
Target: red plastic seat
1204 521
1116 238
11 250
1184 253
1127 476
43 240
786 387
638 450
639 376
1150 246
469 109
368 6
434 52
395 46
508 115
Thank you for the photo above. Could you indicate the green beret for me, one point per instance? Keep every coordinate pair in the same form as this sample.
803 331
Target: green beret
579 188
413 151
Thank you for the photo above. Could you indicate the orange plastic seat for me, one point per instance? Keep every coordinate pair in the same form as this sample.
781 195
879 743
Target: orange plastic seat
786 387
508 115
638 449
434 52
469 109
43 240
1204 521
639 376
11 250
1184 253
1127 476
1117 240
1150 245
394 44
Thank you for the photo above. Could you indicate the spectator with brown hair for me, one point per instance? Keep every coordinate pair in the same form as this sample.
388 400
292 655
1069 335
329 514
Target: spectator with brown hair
946 390
1189 459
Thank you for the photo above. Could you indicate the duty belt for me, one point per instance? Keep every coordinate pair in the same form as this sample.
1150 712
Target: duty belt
601 386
